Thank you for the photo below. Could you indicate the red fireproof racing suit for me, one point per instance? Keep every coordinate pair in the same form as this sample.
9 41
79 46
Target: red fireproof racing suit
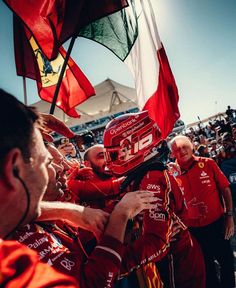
188 259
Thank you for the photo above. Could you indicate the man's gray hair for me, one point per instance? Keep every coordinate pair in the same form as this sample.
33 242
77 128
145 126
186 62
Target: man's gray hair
179 137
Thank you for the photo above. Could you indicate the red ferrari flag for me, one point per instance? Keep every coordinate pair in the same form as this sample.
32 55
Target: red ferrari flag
32 63
52 22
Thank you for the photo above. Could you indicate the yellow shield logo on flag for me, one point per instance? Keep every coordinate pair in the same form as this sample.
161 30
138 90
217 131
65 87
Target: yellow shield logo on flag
49 70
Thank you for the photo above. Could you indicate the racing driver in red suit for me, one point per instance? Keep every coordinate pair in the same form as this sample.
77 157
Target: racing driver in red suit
131 144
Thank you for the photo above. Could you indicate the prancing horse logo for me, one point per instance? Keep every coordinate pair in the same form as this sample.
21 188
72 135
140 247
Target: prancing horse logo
49 70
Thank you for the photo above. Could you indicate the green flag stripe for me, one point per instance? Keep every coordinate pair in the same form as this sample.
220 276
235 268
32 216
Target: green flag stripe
117 32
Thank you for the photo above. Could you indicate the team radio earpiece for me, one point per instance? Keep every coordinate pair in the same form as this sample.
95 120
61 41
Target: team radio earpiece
16 172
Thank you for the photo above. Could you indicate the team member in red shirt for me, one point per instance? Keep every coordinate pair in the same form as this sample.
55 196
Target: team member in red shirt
92 184
203 181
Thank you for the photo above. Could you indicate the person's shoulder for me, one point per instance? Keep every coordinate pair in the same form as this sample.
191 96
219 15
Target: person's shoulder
203 162
205 159
12 245
32 272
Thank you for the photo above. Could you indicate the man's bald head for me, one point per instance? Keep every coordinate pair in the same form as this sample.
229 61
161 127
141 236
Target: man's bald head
94 157
87 154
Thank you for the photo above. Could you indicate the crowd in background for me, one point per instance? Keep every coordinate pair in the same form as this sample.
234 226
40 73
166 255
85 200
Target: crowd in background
216 139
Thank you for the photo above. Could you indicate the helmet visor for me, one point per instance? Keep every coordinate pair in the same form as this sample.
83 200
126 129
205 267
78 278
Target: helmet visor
117 155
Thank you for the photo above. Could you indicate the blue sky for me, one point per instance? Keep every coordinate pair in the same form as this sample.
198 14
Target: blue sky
200 41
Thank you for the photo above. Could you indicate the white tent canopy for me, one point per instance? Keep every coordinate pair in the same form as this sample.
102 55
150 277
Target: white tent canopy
111 97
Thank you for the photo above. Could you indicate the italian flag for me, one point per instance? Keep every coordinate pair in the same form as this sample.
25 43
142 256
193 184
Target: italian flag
132 35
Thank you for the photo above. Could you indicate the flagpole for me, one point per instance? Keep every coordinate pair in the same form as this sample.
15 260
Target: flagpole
25 91
64 67
61 74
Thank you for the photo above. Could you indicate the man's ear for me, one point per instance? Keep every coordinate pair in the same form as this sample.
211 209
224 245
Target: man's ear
11 168
87 163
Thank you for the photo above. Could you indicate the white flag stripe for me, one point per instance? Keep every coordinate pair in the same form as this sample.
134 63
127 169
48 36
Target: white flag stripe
142 59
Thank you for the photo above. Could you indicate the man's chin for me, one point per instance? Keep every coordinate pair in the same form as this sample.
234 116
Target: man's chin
185 158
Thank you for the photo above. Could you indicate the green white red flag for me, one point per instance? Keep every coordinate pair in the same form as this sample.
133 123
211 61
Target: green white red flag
132 35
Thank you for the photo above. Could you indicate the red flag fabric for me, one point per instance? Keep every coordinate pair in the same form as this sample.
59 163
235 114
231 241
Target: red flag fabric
32 63
52 22
165 96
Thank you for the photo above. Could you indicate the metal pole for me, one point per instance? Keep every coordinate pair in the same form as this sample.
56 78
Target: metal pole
61 74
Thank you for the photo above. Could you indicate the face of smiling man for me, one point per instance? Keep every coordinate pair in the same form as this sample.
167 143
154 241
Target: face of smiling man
182 149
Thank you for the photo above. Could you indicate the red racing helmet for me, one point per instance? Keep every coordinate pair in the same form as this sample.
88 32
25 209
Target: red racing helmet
130 140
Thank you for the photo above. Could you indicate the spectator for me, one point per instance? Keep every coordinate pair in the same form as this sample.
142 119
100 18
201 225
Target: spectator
230 113
203 151
203 140
203 180
234 132
229 146
67 148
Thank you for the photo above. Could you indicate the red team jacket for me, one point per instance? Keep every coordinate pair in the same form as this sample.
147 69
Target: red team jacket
204 180
91 192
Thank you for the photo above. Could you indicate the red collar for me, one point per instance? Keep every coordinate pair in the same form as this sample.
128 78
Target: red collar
188 165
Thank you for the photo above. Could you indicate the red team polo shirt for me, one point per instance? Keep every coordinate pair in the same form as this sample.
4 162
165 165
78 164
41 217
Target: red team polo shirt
204 181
